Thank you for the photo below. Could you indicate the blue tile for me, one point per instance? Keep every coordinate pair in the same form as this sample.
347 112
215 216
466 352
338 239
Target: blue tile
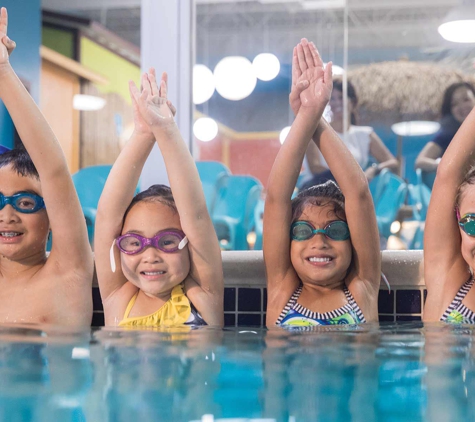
249 300
408 318
98 319
386 318
229 299
96 300
249 320
385 302
408 302
229 320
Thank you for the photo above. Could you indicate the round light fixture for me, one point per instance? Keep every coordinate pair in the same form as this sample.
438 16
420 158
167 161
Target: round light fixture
266 66
462 31
415 128
203 84
283 134
205 129
235 78
88 102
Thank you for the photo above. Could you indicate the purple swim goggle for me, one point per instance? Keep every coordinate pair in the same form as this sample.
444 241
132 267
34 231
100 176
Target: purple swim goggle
168 241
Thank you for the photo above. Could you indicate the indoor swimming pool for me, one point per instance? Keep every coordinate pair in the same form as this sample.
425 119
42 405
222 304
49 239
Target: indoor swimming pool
393 372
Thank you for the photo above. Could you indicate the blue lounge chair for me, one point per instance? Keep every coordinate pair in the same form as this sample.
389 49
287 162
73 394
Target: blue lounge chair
233 214
212 175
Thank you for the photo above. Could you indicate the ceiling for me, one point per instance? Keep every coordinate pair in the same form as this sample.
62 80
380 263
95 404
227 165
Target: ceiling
248 26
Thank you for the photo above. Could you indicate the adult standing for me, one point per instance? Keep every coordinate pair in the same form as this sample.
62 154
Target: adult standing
362 141
458 101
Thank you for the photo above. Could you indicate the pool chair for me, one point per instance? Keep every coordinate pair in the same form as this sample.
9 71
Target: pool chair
426 177
233 214
258 219
212 176
420 197
389 199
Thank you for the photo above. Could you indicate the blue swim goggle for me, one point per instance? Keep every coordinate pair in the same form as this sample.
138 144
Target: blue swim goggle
467 224
24 202
336 230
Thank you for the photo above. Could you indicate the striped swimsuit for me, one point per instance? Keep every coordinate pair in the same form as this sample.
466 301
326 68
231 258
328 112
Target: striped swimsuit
295 315
457 312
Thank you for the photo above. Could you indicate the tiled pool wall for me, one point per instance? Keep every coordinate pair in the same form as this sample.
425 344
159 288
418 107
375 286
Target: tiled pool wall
245 293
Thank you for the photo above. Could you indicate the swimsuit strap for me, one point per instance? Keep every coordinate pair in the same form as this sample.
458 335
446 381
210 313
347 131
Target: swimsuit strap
353 304
131 305
458 297
290 304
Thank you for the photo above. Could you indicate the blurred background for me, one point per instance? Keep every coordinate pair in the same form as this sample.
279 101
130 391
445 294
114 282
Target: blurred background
231 86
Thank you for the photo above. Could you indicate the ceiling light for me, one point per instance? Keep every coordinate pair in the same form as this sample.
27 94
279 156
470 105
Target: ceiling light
88 102
415 128
266 66
283 134
205 129
203 84
459 24
235 78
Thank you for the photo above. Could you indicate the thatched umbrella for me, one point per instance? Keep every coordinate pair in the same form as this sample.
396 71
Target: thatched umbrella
390 92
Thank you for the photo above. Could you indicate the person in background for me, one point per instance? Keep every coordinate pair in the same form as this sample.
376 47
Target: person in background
157 255
362 141
37 196
458 101
321 249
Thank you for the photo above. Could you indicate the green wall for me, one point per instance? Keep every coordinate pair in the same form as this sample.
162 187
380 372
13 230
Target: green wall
59 40
118 70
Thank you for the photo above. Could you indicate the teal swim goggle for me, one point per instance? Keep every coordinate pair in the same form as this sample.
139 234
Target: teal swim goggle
467 224
336 230
24 202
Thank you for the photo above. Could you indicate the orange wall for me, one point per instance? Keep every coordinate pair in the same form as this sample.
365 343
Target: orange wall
253 156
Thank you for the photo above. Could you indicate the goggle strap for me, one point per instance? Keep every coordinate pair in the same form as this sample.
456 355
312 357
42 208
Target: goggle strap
112 257
183 243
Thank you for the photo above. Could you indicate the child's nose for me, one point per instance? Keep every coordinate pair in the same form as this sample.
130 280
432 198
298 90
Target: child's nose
152 255
319 240
8 214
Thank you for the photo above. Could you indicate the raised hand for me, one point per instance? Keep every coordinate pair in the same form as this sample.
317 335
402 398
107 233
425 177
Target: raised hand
152 103
7 45
298 85
315 97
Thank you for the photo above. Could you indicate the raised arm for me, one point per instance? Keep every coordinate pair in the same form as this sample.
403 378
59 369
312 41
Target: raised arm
445 270
70 246
315 93
117 195
205 284
359 206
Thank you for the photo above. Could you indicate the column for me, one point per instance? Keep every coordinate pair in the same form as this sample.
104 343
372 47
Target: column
167 43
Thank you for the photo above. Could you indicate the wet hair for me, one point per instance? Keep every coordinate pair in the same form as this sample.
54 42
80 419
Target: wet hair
319 195
20 162
155 193
469 179
351 93
446 108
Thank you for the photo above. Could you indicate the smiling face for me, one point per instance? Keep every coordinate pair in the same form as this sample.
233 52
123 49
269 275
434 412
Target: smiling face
462 103
21 235
320 260
152 270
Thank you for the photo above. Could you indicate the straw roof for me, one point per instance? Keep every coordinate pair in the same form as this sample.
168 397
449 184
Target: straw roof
402 90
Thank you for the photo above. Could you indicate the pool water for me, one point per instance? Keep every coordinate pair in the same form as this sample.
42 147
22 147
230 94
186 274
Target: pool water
388 372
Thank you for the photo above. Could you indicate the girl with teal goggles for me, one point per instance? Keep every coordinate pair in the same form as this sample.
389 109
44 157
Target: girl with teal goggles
336 230
467 224
24 202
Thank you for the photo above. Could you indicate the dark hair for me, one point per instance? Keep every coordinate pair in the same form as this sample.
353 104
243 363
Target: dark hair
446 109
469 179
351 93
155 193
20 161
319 195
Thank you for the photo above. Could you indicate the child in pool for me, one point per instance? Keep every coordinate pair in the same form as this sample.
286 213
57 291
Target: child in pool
449 240
317 274
37 194
170 270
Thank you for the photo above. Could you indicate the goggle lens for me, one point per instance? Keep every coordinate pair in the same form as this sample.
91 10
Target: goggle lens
467 224
336 230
